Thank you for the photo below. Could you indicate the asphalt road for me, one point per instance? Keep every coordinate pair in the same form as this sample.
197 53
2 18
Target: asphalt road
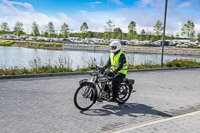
45 105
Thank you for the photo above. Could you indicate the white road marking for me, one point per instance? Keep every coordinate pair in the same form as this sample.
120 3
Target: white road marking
155 122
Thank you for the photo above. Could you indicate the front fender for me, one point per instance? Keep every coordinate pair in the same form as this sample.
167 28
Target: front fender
87 83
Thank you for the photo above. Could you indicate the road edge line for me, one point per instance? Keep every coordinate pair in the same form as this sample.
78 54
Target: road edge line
155 122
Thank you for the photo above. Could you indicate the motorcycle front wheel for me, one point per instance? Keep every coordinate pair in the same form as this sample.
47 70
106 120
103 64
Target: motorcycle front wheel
84 97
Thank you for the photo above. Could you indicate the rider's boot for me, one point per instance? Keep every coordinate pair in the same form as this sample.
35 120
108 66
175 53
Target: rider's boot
113 99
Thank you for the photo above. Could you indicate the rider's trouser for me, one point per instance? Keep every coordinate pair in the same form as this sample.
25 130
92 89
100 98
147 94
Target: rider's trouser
115 83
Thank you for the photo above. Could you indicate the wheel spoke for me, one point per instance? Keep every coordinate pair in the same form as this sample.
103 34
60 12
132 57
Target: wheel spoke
84 97
123 93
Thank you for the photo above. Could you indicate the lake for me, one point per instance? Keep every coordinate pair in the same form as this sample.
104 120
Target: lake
21 57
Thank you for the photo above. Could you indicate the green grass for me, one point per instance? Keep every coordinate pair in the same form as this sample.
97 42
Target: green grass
29 44
6 43
64 65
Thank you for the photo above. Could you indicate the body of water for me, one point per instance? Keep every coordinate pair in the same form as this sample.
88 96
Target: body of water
19 56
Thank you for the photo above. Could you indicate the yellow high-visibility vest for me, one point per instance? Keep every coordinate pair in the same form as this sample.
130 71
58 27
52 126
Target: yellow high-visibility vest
115 63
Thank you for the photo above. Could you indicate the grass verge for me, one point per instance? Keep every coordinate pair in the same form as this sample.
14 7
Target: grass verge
64 65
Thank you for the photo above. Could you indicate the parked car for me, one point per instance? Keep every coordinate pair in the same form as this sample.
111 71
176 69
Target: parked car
194 43
46 39
67 40
182 45
23 38
123 42
31 38
114 40
157 43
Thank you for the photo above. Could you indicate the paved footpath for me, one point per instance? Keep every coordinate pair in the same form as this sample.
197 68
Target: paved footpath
163 103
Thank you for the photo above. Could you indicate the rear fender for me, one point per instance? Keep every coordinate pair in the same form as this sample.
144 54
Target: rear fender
129 83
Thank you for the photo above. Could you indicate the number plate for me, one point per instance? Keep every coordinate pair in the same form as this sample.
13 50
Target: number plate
93 79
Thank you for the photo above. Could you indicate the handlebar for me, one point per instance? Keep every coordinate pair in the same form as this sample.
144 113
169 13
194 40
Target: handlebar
101 72
92 68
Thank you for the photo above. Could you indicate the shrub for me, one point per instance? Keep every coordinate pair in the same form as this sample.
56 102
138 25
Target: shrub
181 63
145 65
84 69
2 72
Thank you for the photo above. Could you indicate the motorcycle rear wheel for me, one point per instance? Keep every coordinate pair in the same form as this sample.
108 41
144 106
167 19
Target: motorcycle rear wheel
124 93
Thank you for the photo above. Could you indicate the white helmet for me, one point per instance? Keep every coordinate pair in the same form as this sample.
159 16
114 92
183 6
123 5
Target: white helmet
115 46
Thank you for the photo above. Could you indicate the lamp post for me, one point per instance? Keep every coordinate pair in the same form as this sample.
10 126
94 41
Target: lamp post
163 41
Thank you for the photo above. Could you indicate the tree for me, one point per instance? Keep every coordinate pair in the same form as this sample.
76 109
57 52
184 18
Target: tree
89 34
153 38
50 29
158 29
188 29
177 36
35 30
84 27
4 27
142 35
108 29
117 33
132 26
171 36
132 34
46 34
198 37
64 30
148 35
124 36
18 29
98 35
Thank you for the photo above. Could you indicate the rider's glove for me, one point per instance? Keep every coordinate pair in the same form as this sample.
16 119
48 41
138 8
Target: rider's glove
115 72
110 74
101 69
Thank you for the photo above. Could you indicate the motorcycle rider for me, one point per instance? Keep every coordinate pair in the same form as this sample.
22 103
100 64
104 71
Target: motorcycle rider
118 64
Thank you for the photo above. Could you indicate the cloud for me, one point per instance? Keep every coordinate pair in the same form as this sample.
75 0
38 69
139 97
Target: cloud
93 4
146 2
197 28
145 18
28 15
185 4
151 3
118 2
11 6
83 12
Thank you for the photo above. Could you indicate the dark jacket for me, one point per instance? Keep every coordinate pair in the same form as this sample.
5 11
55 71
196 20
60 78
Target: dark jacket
122 61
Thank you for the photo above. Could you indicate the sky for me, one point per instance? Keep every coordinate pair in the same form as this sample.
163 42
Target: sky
97 12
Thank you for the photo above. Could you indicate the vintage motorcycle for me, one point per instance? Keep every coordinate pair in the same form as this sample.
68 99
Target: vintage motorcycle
99 88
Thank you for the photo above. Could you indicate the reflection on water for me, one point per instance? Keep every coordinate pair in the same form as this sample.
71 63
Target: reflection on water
18 56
